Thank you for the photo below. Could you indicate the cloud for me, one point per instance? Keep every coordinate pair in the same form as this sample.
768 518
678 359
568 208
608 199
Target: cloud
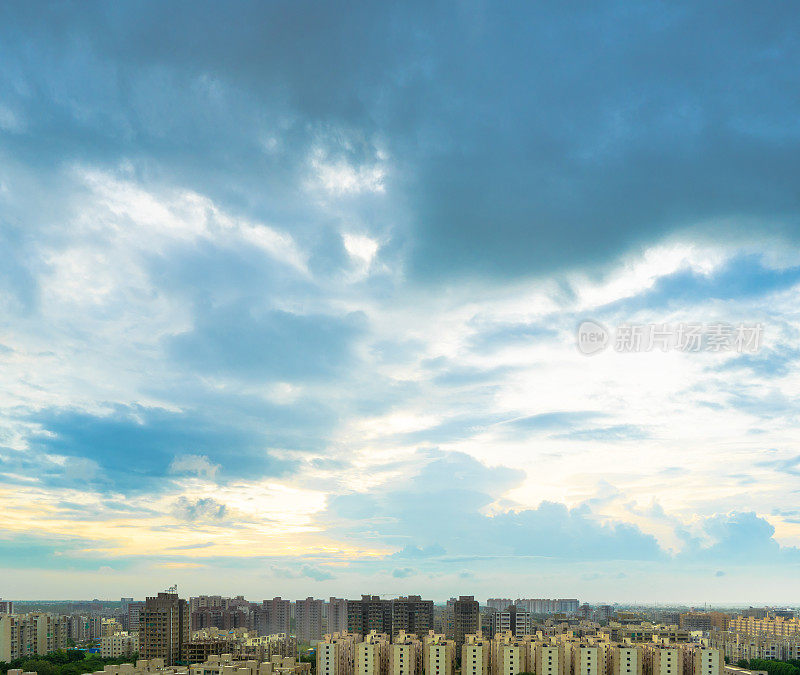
198 465
204 509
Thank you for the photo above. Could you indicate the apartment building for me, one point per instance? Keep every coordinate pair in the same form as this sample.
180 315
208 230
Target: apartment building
30 634
405 655
438 654
466 619
511 620
586 659
337 615
368 614
626 660
499 604
273 617
308 619
664 660
776 626
736 646
509 654
548 658
164 628
336 654
226 665
476 655
264 647
118 644
6 606
701 660
372 655
412 614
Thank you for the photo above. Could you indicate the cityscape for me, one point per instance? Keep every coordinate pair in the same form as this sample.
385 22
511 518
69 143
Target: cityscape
399 337
404 635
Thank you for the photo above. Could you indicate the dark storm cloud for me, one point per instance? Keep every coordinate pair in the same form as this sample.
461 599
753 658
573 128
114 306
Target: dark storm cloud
523 138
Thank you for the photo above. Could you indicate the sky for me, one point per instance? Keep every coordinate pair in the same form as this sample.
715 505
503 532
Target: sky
289 297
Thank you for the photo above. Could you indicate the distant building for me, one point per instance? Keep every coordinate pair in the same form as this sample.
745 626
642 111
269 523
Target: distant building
164 628
368 614
412 614
308 619
335 654
466 619
35 633
337 615
119 644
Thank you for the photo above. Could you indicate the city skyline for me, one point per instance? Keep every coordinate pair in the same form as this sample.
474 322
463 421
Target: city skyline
304 299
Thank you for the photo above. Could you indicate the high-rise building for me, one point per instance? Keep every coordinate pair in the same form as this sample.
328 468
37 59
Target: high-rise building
664 659
514 620
466 619
627 660
31 634
336 653
308 619
368 614
405 655
475 655
438 654
547 659
6 606
164 628
509 655
134 608
337 615
372 655
499 604
412 614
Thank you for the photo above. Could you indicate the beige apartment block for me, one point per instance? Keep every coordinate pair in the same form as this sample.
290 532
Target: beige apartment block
226 665
405 655
475 655
119 644
699 660
264 647
109 627
664 660
774 626
372 655
548 658
438 654
31 634
626 660
336 653
509 655
586 659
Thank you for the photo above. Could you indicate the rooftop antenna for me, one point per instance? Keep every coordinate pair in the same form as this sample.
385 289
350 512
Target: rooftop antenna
173 589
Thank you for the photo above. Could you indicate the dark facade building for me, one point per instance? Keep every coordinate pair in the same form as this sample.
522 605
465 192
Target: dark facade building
164 628
369 613
412 614
466 619
214 617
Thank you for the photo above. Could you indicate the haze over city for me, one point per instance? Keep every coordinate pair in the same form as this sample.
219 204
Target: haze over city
327 299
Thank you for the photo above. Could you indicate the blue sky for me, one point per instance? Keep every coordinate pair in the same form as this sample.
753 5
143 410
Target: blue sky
289 294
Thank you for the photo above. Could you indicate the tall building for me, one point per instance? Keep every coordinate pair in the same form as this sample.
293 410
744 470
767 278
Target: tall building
31 634
337 615
372 655
466 619
412 614
273 616
405 655
6 606
475 655
336 653
368 614
134 609
664 660
499 604
547 659
627 660
164 628
512 619
509 655
308 619
586 659
438 654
